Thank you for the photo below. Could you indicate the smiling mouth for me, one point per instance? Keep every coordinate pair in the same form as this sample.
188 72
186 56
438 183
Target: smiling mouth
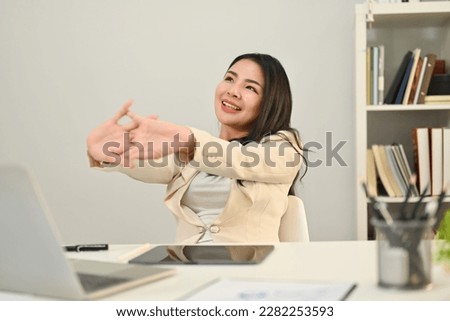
230 106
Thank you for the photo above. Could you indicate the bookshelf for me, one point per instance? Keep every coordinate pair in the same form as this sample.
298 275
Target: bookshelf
399 27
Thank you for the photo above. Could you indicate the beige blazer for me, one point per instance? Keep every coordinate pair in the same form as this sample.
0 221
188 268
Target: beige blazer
261 175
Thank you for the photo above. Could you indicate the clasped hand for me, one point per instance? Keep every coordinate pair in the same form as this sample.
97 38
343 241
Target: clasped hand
141 138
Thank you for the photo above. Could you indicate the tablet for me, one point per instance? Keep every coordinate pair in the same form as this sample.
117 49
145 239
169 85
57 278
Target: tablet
204 254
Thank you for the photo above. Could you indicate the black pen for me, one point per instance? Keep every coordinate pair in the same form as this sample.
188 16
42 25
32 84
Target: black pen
411 184
86 247
439 215
414 214
379 207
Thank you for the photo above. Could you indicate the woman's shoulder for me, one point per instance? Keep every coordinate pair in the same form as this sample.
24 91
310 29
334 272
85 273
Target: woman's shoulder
285 135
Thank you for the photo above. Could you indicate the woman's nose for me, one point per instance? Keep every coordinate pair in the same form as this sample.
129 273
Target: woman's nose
234 91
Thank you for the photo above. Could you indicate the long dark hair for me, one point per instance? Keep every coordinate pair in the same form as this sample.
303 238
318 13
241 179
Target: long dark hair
276 104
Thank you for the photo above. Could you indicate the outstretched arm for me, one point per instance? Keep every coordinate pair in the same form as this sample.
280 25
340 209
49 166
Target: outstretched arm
275 160
153 138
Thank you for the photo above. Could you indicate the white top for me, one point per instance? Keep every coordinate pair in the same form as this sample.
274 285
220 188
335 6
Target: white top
207 196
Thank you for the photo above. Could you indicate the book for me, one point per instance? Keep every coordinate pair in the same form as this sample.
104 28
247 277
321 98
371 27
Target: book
437 102
381 75
368 75
420 142
395 85
400 184
439 84
439 67
391 170
383 170
390 164
371 174
419 84
405 167
435 135
404 175
415 82
404 82
388 171
437 99
446 159
431 60
411 76
374 68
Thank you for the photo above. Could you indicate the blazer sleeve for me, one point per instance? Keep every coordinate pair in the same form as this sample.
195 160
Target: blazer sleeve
161 170
277 159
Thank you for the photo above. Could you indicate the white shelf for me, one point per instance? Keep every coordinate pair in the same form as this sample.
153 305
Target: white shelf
411 200
399 27
413 9
407 107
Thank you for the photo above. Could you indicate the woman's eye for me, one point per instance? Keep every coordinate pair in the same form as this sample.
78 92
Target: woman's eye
252 88
229 79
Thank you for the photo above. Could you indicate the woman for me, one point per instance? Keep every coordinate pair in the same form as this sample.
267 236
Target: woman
233 188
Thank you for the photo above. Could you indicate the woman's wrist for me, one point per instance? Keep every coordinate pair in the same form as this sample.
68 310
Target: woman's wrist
185 144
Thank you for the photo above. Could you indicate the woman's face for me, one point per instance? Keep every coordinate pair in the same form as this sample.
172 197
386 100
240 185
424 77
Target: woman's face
238 98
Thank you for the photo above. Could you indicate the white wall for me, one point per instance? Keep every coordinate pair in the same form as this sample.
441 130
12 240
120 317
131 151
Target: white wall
66 66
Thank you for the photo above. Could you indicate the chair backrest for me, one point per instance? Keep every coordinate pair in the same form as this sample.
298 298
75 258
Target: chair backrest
294 226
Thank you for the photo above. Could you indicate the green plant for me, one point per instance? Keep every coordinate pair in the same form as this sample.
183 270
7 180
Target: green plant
443 233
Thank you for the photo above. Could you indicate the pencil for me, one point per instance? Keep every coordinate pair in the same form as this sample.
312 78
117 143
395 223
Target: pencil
379 207
414 214
438 213
412 182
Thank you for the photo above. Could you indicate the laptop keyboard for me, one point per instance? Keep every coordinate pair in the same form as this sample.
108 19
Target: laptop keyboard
93 283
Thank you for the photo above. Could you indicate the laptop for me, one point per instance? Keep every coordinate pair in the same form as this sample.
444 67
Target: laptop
32 259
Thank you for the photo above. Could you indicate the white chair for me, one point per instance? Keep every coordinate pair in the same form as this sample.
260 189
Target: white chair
294 226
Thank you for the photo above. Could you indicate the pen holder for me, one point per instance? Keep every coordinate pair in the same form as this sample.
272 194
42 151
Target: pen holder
404 253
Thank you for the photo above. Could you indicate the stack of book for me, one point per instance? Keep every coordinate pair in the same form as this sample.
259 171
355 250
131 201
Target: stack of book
437 99
432 158
412 79
439 90
388 171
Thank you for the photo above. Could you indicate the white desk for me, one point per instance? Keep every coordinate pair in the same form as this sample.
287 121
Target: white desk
350 261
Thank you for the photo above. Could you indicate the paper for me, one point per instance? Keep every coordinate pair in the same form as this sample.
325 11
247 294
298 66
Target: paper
234 289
